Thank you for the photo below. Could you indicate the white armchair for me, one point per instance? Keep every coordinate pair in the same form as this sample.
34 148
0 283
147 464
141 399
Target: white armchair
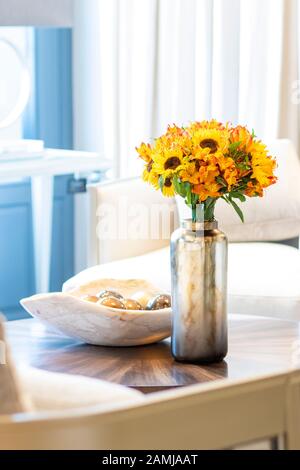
263 276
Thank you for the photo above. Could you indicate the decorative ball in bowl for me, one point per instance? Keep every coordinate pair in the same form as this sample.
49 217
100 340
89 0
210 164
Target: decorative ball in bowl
106 312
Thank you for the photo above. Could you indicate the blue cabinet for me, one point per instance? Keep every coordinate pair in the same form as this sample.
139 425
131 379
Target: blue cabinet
17 277
16 247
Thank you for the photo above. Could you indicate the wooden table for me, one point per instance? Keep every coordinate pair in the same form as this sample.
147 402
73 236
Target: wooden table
257 346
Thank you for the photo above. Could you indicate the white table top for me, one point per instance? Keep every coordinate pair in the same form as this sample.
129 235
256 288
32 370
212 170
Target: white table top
53 163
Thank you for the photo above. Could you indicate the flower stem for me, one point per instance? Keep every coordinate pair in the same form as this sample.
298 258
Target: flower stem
194 213
209 209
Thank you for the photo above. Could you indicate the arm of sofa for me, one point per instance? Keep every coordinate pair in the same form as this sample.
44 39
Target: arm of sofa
128 218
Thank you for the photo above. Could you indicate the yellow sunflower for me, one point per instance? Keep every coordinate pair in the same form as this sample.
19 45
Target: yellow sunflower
150 176
213 124
168 188
168 162
263 165
216 140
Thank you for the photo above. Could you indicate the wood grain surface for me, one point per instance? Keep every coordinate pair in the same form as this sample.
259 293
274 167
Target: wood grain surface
257 346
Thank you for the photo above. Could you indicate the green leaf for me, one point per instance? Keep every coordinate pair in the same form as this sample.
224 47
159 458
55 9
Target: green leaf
161 182
234 146
209 208
238 195
243 166
195 199
178 187
237 209
253 134
221 181
188 193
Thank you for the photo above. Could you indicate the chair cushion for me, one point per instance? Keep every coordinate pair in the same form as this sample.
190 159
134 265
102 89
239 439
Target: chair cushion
129 218
263 278
51 391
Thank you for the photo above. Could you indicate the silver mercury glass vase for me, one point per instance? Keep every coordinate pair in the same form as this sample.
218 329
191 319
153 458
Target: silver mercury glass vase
199 292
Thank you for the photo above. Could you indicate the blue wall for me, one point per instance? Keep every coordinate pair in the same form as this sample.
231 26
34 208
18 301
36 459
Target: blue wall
49 117
16 247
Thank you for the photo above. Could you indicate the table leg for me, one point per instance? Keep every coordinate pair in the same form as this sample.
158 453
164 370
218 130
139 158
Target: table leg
42 211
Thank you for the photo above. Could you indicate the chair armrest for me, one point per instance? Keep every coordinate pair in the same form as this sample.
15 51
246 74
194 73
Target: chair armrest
128 218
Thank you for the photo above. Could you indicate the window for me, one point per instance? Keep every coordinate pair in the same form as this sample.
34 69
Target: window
12 86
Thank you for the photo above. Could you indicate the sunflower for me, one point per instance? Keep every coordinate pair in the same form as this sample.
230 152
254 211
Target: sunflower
150 176
168 188
216 140
169 161
263 165
213 124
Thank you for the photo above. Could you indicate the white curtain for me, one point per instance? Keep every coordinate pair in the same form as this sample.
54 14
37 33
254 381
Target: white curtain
141 64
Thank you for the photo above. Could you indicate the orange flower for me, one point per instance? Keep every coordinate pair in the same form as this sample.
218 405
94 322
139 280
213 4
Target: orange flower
205 191
242 135
253 190
144 152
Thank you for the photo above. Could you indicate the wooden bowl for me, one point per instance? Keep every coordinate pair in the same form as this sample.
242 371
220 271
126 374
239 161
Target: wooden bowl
99 325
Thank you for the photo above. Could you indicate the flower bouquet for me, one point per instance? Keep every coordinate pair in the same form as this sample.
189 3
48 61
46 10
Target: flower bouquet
208 160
